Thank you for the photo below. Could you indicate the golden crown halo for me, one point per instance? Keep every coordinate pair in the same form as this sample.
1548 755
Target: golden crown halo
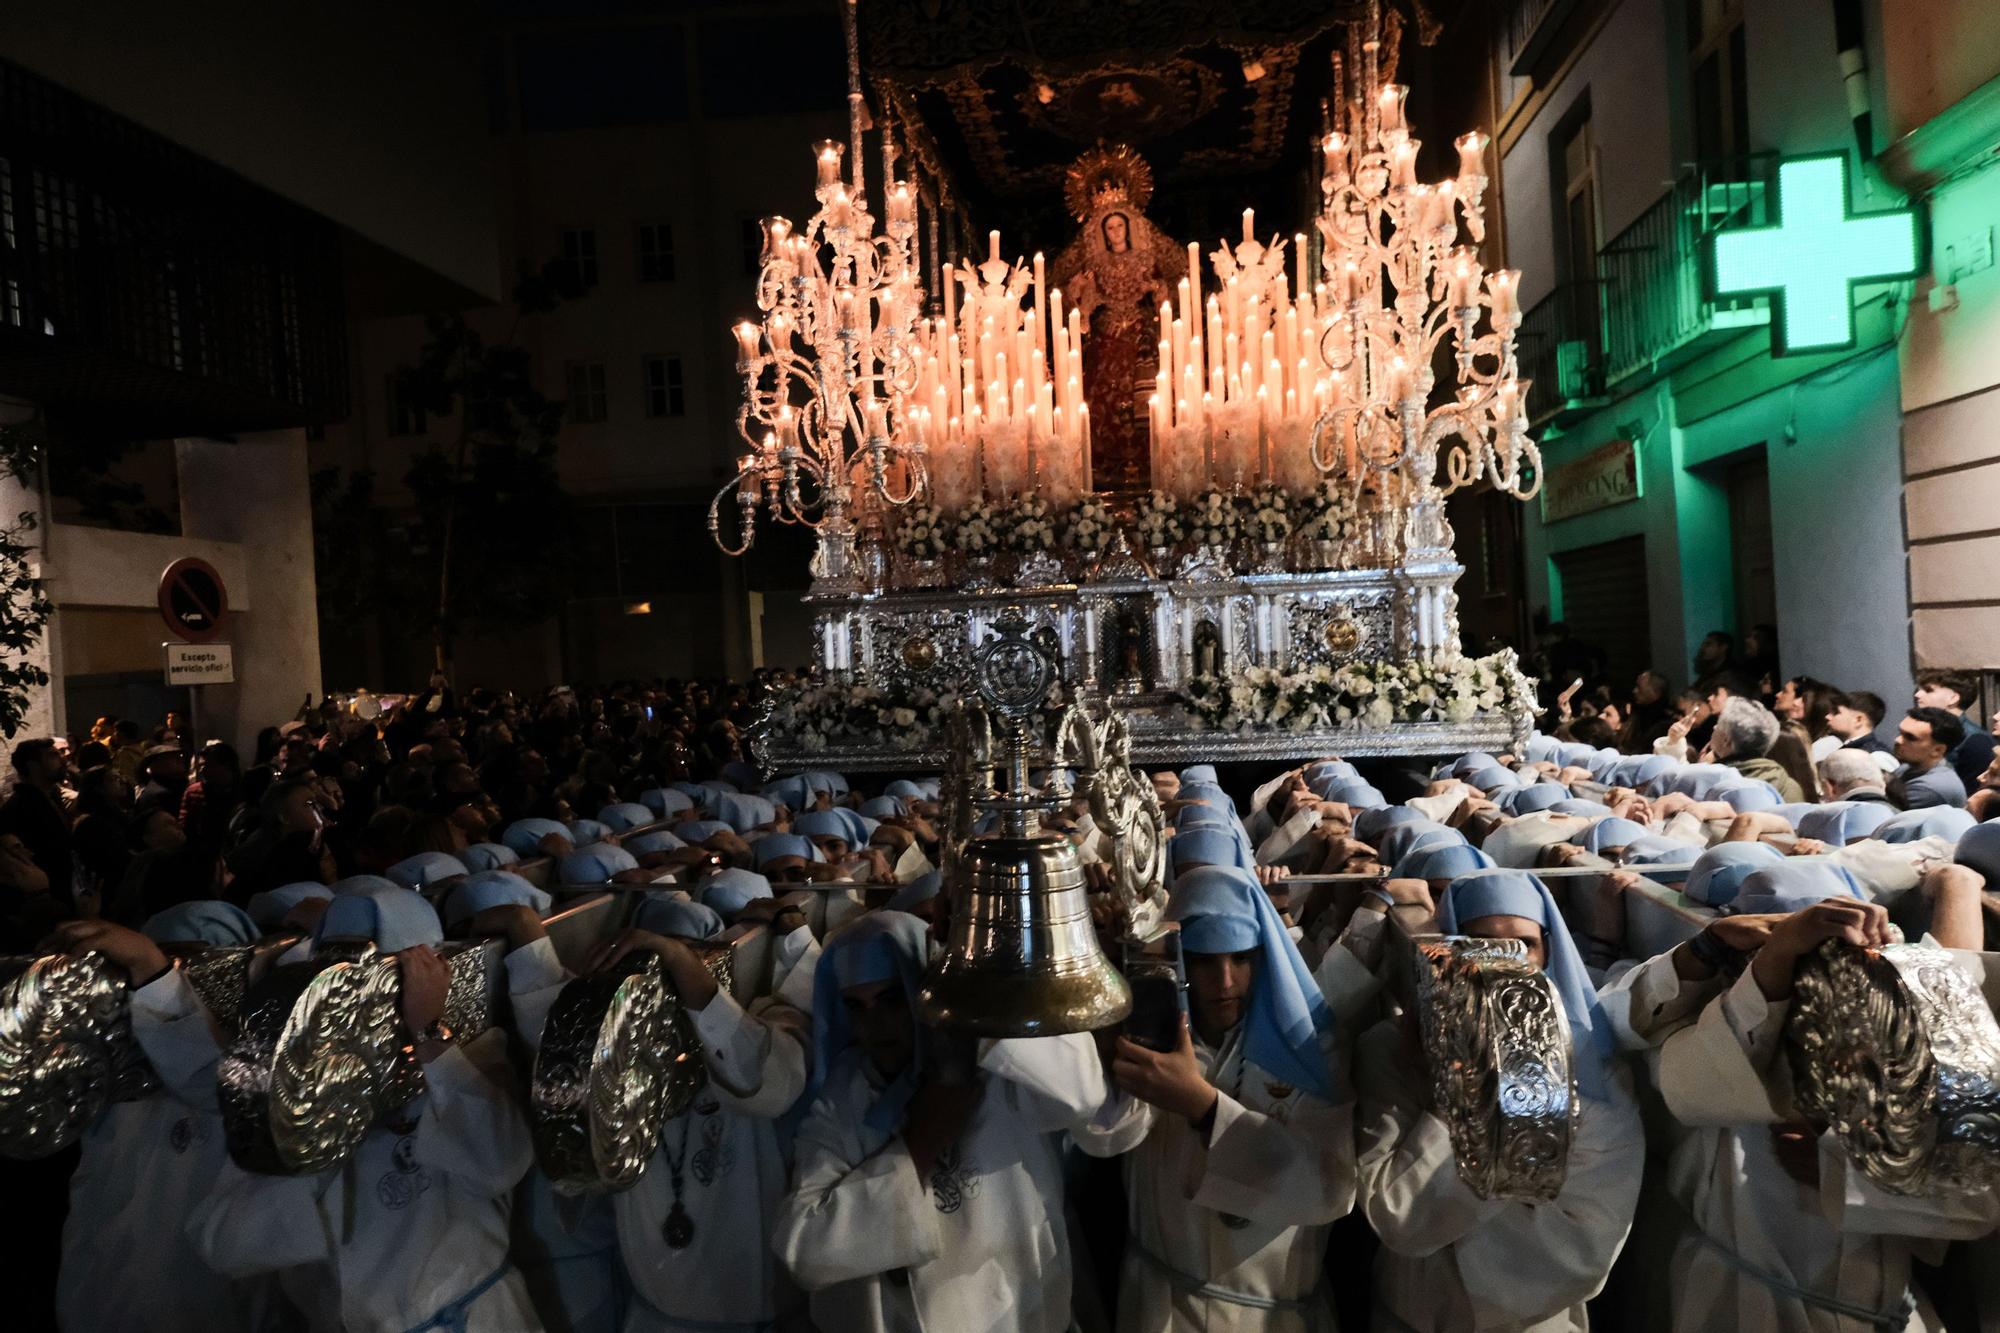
1105 177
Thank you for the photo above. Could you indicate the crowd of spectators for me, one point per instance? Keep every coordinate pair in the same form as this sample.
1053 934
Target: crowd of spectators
1744 711
122 823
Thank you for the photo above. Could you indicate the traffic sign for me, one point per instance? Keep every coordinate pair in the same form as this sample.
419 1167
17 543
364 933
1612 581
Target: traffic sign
1818 251
193 601
200 664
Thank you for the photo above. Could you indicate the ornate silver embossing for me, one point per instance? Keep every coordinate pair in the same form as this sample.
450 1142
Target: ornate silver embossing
66 1050
1497 1045
1897 1052
618 1060
1126 809
321 1052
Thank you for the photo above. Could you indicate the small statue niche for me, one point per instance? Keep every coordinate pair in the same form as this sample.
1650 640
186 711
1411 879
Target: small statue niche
1126 637
1207 654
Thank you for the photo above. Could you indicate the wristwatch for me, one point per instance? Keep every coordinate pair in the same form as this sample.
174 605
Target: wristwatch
1709 950
439 1032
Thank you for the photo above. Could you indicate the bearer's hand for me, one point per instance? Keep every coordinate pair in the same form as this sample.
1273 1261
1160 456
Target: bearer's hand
683 968
1170 1080
514 922
783 917
1805 847
135 953
305 914
1864 925
425 980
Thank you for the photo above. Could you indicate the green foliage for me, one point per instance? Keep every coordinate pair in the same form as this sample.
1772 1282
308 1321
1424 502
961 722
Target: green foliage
24 605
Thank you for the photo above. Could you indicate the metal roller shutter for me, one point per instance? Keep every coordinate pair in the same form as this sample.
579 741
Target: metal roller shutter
1604 603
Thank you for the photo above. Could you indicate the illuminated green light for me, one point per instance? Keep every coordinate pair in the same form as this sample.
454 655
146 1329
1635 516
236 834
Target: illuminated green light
1811 260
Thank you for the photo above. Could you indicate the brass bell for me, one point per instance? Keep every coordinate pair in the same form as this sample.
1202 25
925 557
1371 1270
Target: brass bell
1022 958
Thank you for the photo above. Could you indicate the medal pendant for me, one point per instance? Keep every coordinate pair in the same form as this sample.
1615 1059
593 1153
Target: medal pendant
678 1228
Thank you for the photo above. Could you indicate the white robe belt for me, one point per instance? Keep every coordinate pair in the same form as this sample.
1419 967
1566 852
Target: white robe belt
1188 1282
452 1317
1889 1321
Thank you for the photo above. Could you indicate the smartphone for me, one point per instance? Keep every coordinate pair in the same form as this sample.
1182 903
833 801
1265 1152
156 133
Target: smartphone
1159 995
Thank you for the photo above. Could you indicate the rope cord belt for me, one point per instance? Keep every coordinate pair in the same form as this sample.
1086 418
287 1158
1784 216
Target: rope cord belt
452 1317
1190 1283
1891 1321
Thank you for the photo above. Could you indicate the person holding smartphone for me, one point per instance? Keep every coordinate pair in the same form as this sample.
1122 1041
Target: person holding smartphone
1238 1141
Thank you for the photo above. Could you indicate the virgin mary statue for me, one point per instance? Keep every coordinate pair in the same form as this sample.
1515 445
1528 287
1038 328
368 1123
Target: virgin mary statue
1114 275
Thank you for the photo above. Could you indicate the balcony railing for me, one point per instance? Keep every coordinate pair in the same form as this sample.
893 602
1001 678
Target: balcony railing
1562 349
1655 310
1531 27
143 285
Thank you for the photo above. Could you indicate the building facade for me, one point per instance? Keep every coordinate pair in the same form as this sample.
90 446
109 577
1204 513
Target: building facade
1695 480
192 207
1943 121
640 145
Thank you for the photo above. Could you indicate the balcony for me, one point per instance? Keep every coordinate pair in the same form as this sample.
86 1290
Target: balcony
1532 26
148 291
1655 315
1561 350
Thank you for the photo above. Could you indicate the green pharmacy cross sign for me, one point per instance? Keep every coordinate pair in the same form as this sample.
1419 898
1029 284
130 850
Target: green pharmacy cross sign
1810 262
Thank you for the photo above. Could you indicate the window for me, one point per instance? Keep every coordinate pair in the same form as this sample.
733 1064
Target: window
664 397
656 252
1573 162
405 416
587 401
579 248
1721 82
752 234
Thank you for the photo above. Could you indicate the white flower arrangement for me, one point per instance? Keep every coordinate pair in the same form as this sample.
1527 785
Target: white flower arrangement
978 529
848 715
1332 511
920 535
1212 519
1090 527
1158 520
1026 525
1368 695
1270 517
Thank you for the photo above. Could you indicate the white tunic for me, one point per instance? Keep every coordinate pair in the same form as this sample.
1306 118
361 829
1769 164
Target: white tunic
565 1247
1452 1261
734 1165
1230 1234
1846 1242
126 1265
413 1222
977 1247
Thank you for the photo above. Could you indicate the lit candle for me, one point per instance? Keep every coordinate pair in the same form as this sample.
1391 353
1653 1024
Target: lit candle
839 214
1041 304
1249 225
776 230
1471 154
746 344
1403 164
828 153
1442 199
1390 107
1396 381
1333 149
902 205
1344 279
1299 262
1459 280
992 247
1504 286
